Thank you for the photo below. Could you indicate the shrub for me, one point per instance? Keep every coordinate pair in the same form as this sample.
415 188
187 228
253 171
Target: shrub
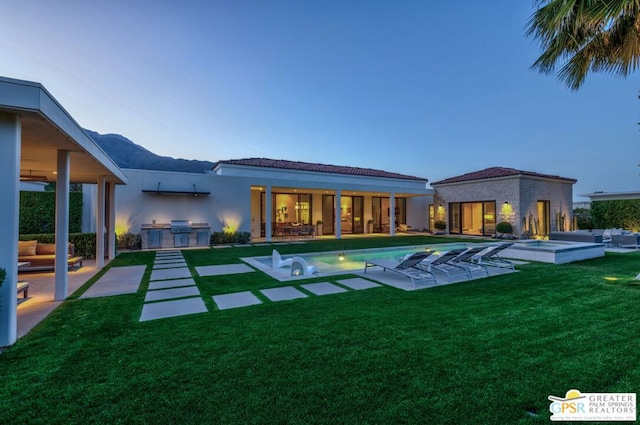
616 213
3 275
38 212
440 225
583 217
219 238
129 241
504 227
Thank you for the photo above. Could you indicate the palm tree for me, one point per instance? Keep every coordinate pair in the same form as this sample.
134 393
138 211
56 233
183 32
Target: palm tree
587 36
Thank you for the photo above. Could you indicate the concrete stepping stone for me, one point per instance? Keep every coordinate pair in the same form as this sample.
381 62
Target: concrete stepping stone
262 244
223 269
172 308
169 260
174 283
242 245
221 246
323 288
167 294
280 243
169 265
117 281
283 294
170 273
358 283
165 253
297 243
235 300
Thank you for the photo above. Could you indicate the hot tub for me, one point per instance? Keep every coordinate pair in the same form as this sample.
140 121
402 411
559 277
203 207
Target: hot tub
556 252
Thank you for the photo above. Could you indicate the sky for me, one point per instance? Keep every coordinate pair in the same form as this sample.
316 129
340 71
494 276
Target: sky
432 89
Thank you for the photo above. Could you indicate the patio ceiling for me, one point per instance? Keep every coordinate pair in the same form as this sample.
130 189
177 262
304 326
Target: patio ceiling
46 128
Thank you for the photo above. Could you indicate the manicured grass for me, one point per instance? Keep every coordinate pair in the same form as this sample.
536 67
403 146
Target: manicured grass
480 352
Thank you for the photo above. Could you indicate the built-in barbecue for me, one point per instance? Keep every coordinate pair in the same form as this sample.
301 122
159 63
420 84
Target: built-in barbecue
180 226
176 234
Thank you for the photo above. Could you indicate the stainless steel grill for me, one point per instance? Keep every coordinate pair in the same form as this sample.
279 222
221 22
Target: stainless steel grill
180 226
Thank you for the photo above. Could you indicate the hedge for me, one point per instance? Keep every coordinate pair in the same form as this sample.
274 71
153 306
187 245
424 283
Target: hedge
84 243
624 213
218 238
38 212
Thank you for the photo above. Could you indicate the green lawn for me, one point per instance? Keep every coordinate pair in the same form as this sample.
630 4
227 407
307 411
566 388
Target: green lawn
480 352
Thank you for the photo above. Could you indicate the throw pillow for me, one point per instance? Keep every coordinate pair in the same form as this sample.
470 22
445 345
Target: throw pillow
27 248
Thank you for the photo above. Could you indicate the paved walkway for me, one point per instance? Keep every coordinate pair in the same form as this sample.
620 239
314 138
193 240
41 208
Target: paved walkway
173 292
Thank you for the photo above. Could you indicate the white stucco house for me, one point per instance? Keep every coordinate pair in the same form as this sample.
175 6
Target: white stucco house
261 196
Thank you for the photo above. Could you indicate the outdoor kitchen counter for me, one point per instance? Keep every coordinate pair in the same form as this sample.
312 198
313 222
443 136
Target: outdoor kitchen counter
165 235
168 226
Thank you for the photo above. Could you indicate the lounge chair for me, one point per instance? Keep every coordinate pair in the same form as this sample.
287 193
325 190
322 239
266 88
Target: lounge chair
299 267
463 260
277 261
489 257
409 267
444 262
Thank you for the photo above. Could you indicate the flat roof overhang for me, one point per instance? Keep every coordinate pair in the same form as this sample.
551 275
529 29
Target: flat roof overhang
47 127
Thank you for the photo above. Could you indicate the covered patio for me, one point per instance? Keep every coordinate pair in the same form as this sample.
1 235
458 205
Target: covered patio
39 140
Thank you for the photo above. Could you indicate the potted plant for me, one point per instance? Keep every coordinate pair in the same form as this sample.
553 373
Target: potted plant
440 227
504 228
319 228
370 226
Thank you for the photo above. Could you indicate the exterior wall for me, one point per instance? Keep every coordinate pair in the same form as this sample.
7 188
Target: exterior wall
232 204
498 190
228 205
417 212
522 194
560 195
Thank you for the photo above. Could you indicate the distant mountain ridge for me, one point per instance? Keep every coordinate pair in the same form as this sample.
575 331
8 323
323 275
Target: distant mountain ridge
127 154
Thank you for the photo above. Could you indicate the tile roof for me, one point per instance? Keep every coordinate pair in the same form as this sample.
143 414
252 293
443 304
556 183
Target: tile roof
495 172
315 167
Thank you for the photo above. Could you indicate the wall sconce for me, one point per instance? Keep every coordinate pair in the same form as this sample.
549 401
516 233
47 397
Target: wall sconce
506 202
341 256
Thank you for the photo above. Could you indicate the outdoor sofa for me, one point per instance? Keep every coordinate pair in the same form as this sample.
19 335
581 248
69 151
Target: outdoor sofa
42 256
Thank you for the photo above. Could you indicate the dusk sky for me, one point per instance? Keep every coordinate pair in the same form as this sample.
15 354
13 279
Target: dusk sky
425 88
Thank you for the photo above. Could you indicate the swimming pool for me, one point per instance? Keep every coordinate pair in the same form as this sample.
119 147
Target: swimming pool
343 262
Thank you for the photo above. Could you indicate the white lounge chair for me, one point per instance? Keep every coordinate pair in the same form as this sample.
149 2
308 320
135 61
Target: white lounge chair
277 261
299 267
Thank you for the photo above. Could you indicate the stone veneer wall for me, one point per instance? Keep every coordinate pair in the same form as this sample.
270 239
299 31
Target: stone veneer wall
500 190
522 194
559 194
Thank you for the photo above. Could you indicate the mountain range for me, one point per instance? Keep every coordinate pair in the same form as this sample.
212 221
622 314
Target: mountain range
127 154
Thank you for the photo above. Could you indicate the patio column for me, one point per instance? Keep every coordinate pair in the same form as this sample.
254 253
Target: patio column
100 222
111 227
338 214
62 225
392 214
10 137
268 223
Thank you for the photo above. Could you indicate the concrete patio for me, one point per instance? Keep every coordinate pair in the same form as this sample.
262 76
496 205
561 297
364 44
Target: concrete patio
41 300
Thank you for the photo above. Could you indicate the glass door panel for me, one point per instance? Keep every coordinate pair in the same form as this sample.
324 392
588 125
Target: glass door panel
358 214
328 214
454 218
489 218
